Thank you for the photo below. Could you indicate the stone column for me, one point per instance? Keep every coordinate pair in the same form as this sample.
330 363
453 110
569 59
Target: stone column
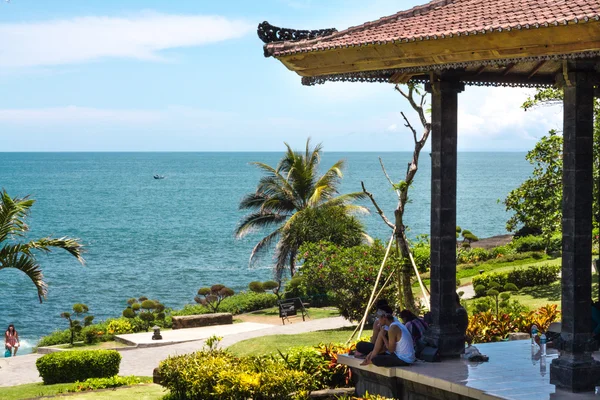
444 104
575 369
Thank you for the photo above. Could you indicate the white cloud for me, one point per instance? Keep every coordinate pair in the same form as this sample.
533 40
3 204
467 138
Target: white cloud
486 115
90 38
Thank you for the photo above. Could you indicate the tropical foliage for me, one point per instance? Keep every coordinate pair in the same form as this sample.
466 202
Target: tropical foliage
211 297
321 363
22 255
75 325
489 327
294 198
218 374
537 202
535 275
345 275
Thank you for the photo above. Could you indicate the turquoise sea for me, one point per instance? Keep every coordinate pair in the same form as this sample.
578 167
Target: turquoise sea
167 238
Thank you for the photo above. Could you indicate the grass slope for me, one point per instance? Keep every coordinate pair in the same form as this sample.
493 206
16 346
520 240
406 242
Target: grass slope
37 390
270 344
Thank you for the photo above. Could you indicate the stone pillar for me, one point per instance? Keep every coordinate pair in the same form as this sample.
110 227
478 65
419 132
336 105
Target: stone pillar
444 104
575 369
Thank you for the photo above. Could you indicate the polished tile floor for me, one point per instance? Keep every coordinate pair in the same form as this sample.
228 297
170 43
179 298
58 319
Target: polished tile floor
515 370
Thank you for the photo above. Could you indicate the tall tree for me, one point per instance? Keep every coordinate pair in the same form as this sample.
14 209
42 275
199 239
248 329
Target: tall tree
14 254
283 198
536 203
416 100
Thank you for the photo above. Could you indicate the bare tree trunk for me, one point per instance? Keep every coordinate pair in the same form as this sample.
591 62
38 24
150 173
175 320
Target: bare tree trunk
404 275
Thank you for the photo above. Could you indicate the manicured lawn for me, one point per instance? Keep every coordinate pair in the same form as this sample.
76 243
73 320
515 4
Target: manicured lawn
313 313
536 296
98 346
466 274
270 344
36 390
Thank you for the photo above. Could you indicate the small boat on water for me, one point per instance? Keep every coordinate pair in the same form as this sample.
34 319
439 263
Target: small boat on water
159 177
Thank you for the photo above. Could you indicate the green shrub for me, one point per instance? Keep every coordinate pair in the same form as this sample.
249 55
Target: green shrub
472 255
75 325
144 313
236 304
119 326
220 375
502 251
256 287
321 363
72 366
107 383
56 337
530 276
422 257
537 243
347 274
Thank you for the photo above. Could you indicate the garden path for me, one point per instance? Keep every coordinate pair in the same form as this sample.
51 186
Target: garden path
141 361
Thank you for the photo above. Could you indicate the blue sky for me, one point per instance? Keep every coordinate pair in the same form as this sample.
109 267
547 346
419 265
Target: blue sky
125 75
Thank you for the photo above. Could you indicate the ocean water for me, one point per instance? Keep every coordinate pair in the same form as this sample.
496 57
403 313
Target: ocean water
167 238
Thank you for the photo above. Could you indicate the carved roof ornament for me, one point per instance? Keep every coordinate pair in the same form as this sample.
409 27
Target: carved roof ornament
269 34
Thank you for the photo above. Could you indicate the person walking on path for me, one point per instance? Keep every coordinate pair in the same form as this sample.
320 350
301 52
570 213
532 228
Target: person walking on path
11 340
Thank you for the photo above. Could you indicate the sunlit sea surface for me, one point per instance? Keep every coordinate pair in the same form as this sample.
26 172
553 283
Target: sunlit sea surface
167 238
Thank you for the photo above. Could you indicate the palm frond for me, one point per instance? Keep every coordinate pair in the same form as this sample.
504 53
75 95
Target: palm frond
264 244
29 266
12 215
70 245
257 220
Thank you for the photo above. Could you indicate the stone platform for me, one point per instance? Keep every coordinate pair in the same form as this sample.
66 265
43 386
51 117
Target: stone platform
514 371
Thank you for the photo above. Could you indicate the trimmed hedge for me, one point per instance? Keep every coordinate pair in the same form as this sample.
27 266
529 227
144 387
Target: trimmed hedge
220 375
530 276
237 304
536 243
73 366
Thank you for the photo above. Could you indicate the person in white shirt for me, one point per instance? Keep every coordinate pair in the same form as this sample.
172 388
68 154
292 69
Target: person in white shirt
394 346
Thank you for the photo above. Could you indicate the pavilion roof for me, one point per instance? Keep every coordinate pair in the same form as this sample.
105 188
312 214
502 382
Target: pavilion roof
440 19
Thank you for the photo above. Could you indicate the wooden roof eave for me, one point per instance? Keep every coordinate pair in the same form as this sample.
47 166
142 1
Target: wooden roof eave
472 49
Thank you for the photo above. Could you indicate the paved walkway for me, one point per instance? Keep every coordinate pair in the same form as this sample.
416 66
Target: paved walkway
142 360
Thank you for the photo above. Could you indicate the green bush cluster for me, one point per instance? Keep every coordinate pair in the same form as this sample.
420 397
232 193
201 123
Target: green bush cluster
346 274
237 304
220 375
530 276
472 255
320 362
107 383
143 313
100 332
537 243
73 366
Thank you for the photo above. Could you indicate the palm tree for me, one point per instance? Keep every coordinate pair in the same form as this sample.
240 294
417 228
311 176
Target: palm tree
13 213
284 194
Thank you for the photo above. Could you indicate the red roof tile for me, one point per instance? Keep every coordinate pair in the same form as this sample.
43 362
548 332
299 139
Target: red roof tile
447 18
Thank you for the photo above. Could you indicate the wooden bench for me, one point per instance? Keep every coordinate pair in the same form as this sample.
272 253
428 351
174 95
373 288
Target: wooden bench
290 307
196 321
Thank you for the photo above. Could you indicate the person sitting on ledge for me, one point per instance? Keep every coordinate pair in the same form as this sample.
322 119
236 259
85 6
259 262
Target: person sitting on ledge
415 325
394 347
363 348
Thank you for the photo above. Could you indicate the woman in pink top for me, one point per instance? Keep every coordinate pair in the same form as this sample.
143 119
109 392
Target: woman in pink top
11 339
